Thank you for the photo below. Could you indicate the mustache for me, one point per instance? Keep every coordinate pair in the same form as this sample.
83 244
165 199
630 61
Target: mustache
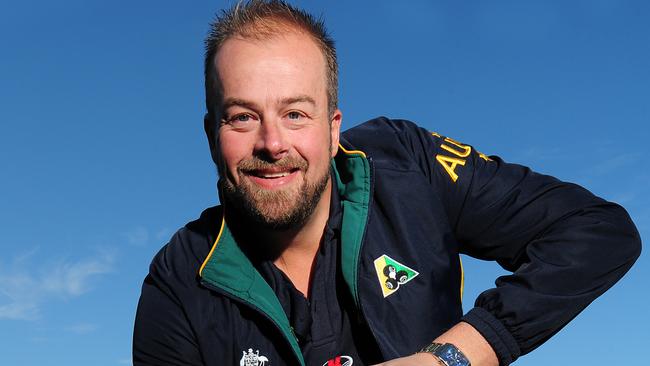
286 163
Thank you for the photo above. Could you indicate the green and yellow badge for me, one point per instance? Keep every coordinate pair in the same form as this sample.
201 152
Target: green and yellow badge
392 274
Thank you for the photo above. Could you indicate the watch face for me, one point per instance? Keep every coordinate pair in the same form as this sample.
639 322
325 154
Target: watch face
451 355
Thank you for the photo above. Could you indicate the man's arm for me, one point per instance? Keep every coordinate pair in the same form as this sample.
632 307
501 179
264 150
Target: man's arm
476 348
162 334
564 245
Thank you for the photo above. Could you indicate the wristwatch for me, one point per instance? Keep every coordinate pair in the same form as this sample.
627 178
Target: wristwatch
447 353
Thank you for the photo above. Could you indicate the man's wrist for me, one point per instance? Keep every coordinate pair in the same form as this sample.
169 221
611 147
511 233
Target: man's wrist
446 354
427 359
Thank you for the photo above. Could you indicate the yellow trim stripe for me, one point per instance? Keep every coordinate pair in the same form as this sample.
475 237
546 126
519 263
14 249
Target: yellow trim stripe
207 259
352 151
462 278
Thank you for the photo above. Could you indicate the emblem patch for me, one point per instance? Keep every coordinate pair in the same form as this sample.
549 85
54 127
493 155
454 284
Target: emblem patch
339 361
252 359
392 274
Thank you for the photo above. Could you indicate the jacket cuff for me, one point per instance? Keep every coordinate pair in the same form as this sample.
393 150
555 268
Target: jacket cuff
503 343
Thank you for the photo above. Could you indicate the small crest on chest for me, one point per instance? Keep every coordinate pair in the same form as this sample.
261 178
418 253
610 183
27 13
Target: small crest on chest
253 358
392 274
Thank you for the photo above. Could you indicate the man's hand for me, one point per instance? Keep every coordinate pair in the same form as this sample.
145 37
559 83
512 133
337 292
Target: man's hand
418 359
462 335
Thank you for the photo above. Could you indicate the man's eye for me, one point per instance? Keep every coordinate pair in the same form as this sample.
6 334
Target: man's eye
294 115
241 118
241 121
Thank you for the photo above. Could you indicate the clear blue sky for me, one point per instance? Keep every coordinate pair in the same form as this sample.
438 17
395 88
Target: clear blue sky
102 153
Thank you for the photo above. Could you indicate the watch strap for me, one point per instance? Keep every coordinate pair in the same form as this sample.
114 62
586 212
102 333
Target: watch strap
447 354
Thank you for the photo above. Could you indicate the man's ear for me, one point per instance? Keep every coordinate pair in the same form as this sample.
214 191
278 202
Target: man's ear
335 130
210 127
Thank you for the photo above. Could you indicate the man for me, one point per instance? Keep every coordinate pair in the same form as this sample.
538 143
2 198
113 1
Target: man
333 249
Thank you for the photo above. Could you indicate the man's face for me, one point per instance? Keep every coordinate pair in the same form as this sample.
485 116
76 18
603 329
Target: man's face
275 139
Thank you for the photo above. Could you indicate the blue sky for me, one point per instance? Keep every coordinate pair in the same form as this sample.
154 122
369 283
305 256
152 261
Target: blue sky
102 153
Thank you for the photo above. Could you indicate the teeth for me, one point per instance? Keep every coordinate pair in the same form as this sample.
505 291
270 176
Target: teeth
275 175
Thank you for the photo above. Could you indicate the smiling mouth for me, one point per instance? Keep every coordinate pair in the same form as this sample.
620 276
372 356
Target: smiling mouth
271 174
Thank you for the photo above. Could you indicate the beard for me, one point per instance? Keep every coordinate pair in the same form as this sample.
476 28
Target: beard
281 209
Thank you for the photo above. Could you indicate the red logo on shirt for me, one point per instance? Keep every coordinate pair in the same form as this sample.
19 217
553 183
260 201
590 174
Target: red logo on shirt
339 361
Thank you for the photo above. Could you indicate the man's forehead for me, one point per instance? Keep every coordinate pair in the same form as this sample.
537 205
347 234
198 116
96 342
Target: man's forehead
293 56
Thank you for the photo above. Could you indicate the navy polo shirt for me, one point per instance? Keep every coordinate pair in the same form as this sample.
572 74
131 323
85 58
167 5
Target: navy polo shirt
328 329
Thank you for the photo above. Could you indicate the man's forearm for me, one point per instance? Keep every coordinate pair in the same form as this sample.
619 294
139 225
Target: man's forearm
467 339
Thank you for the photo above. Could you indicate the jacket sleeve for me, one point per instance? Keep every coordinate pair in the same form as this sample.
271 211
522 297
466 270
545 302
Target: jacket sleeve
163 334
563 245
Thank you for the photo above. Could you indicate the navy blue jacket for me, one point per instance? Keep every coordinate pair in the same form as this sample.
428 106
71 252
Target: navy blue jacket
413 198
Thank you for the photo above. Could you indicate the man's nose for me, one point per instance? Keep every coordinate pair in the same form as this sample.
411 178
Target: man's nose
272 140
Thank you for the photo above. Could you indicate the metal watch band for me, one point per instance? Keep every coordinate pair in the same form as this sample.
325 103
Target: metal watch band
447 353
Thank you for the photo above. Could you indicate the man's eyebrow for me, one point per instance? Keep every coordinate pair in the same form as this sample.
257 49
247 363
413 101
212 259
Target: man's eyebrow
231 102
298 99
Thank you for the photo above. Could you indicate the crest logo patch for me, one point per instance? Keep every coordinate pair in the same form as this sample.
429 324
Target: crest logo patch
252 358
392 274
